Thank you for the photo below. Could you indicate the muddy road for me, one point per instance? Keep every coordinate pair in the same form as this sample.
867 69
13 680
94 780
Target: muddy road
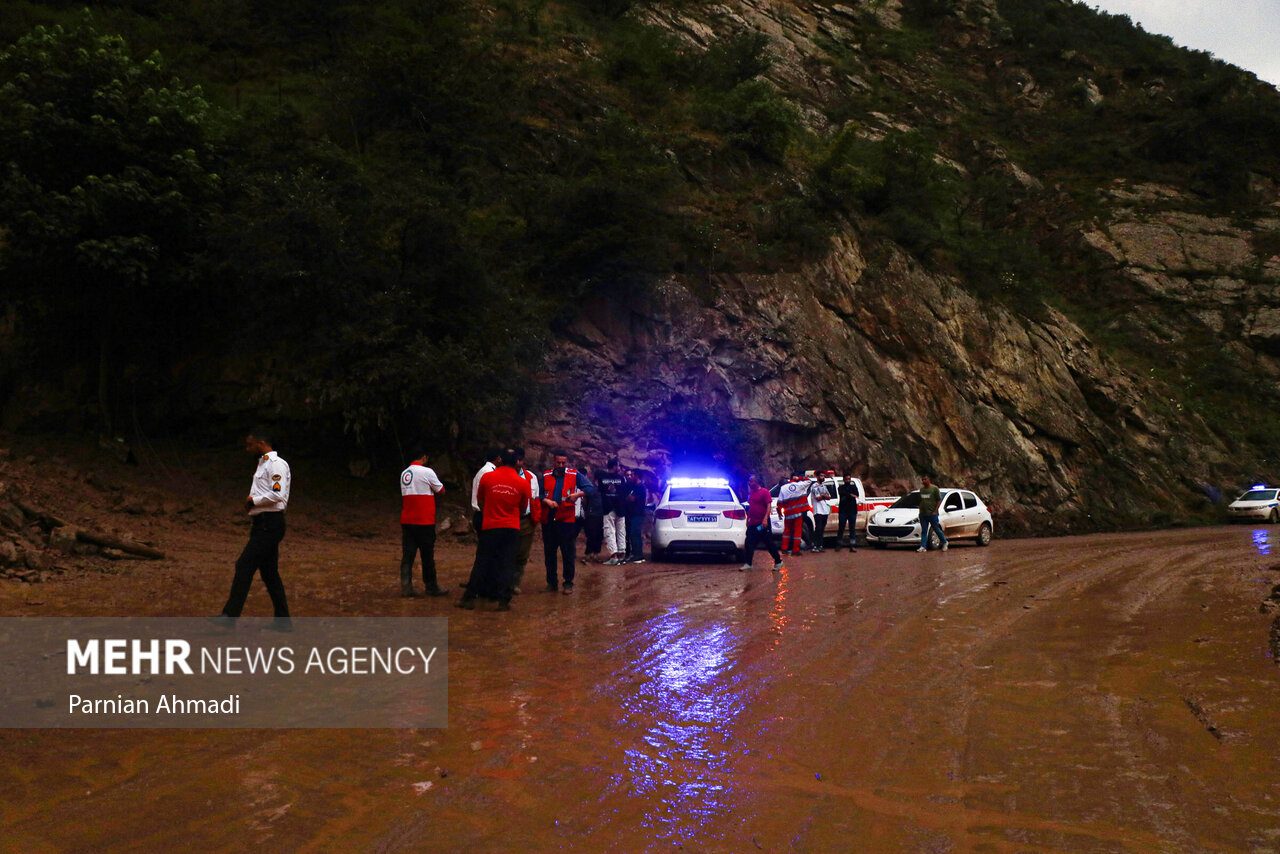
1112 693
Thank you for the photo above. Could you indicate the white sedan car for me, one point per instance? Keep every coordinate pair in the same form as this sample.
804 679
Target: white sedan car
699 515
962 514
1258 504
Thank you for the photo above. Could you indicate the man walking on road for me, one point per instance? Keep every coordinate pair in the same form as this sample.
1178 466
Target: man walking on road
268 497
419 487
759 526
930 499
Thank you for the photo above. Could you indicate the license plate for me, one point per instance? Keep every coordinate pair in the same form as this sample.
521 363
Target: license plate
695 517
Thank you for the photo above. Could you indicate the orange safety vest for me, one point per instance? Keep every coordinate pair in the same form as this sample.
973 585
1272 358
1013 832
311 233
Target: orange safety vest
566 512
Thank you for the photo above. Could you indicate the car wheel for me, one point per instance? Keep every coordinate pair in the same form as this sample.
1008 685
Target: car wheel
1275 516
984 535
656 554
807 532
935 542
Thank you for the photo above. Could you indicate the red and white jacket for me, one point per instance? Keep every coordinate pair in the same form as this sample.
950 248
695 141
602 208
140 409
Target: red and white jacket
793 499
567 510
418 488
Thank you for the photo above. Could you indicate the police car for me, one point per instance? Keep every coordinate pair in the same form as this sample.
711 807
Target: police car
698 515
1260 503
962 514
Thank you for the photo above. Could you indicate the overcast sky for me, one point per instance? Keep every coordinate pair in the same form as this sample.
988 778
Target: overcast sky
1242 32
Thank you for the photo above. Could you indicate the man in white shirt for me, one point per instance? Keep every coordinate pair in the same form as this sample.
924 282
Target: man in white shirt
492 458
529 521
268 497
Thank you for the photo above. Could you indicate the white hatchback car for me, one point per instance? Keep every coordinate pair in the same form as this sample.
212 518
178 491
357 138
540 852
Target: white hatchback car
1258 504
962 514
699 515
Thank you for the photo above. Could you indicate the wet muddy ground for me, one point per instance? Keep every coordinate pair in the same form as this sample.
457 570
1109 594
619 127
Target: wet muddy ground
1110 693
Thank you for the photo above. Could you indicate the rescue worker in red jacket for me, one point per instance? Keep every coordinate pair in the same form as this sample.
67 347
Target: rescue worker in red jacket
419 487
793 505
503 497
561 489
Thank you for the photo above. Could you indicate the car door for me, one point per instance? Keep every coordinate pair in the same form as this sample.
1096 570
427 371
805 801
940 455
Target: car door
952 516
972 516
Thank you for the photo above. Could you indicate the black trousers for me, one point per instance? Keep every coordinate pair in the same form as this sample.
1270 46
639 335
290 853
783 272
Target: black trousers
492 575
594 526
414 540
819 529
559 536
852 521
758 536
261 555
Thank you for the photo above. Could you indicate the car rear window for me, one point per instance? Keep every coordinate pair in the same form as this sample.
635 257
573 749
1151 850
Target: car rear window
701 494
1258 495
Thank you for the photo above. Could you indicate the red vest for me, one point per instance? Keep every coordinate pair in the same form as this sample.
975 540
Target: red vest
567 511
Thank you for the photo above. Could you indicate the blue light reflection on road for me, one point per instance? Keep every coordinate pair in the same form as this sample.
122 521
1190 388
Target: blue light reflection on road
1262 541
686 709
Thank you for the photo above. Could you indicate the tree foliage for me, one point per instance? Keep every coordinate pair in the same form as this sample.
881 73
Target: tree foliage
106 185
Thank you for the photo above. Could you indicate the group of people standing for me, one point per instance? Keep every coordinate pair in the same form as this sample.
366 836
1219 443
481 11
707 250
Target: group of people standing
509 505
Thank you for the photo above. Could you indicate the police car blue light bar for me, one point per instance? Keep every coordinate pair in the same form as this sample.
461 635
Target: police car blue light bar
1259 486
708 482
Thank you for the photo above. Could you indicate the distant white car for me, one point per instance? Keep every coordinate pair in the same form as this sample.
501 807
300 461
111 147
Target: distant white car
699 515
962 513
1258 504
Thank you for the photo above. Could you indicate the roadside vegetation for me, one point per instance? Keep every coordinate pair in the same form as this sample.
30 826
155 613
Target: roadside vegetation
370 210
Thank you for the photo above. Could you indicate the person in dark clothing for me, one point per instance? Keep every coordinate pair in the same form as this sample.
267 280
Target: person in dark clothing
592 521
848 494
611 482
634 498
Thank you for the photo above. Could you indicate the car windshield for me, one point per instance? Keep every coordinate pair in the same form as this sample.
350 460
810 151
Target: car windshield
910 501
701 494
1258 495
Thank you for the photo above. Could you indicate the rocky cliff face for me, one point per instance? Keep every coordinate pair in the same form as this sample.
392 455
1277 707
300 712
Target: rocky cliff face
888 370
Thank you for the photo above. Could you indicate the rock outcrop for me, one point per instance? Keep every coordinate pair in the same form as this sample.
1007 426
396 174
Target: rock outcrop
889 370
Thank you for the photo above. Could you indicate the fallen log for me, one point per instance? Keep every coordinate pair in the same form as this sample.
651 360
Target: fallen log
47 518
120 545
91 537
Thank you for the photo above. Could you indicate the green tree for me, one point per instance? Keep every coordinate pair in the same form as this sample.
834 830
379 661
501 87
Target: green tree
104 180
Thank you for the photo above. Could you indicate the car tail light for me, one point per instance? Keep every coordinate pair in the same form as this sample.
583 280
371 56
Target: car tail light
735 514
666 514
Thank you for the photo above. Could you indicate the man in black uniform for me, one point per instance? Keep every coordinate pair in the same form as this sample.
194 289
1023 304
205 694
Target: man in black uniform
848 494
